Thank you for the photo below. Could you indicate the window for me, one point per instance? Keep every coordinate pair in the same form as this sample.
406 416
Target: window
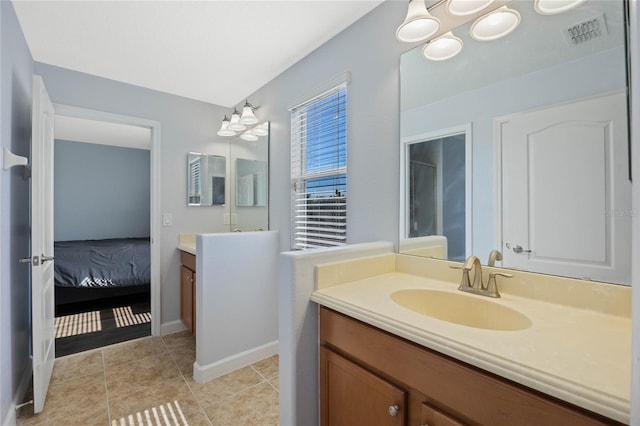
319 171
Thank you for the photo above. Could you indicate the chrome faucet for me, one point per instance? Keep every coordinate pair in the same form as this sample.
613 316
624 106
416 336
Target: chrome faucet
478 287
493 256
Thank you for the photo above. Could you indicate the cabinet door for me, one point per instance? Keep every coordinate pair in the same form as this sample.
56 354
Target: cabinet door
431 416
351 395
186 297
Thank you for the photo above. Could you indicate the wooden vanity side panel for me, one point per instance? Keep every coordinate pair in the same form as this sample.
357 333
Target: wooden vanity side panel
188 260
471 395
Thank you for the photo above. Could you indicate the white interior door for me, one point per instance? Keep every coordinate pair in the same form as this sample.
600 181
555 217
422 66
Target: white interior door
566 192
42 288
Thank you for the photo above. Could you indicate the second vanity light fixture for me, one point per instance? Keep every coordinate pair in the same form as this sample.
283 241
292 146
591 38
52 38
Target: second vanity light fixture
435 24
243 124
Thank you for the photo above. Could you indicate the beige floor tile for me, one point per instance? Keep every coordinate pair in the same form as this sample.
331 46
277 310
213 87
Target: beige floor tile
139 375
268 367
169 413
184 358
97 416
180 340
223 387
74 366
134 350
174 390
83 397
275 382
256 406
197 418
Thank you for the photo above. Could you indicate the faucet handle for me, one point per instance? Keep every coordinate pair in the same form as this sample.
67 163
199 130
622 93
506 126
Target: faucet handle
502 274
492 286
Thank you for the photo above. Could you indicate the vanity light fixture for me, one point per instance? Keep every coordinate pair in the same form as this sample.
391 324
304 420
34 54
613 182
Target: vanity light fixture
418 25
467 7
249 136
235 124
248 116
553 7
442 48
224 128
495 24
261 129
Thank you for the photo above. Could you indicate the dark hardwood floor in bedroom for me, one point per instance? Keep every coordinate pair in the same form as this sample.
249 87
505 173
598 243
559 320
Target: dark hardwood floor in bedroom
89 325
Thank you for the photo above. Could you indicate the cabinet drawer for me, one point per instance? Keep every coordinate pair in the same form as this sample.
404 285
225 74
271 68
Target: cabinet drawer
188 260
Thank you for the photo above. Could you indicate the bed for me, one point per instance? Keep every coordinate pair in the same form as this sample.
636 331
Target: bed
96 269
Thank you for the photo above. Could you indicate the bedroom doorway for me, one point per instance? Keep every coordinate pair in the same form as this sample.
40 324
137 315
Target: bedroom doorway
106 255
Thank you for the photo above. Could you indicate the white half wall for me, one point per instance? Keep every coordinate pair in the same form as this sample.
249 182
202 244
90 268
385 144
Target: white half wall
298 327
236 301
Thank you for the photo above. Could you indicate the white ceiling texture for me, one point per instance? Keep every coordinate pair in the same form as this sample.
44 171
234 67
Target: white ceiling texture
214 51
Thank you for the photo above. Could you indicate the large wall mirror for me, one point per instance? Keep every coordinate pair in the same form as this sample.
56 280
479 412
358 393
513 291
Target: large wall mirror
521 145
249 173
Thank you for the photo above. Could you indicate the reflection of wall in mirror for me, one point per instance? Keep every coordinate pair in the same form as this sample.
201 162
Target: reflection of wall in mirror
599 73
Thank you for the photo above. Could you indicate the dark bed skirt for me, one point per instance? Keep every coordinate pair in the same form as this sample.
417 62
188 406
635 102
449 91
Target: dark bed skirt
66 295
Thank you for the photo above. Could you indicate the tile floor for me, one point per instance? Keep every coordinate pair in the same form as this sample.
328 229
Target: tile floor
148 382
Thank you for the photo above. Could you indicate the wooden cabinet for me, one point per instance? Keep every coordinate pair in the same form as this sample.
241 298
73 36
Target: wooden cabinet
188 290
365 370
354 396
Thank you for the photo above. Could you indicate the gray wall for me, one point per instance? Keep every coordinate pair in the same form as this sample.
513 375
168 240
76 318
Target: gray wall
16 66
186 125
100 191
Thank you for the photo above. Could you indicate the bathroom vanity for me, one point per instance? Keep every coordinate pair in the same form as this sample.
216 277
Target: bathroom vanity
187 248
384 361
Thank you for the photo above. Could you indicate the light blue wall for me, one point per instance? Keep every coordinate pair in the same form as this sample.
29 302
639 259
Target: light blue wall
371 53
100 191
16 67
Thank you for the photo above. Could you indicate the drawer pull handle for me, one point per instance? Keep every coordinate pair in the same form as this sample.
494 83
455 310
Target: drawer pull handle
394 410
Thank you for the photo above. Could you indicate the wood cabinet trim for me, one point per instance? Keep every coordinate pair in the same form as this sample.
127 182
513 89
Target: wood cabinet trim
479 397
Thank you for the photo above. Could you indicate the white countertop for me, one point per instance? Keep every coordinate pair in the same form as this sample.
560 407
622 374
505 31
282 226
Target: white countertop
578 355
187 243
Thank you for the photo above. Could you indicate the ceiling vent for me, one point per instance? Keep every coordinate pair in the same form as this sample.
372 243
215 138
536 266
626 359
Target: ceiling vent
586 30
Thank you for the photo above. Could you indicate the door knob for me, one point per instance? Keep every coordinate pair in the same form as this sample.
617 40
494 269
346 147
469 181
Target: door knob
394 410
44 258
517 248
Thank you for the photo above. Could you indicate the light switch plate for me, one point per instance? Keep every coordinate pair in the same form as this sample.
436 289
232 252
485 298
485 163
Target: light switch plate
167 219
226 219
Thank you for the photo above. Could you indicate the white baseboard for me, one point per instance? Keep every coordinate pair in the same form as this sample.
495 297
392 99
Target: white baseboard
204 373
172 327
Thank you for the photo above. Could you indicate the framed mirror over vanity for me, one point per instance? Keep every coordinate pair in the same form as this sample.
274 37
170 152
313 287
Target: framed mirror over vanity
521 145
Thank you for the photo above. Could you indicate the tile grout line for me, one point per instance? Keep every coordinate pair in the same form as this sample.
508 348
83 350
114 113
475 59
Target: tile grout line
106 388
265 378
173 358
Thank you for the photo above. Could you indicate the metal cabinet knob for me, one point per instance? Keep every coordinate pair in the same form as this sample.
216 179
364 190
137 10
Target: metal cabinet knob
394 410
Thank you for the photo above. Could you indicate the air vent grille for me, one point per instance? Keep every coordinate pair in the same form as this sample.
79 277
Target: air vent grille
586 31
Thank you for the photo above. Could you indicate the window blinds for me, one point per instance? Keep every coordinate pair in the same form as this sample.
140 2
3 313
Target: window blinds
319 171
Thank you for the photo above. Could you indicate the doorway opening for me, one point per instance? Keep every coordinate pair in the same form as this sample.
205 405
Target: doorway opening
106 278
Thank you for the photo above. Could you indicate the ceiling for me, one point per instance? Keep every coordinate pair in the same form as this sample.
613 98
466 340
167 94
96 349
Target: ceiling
214 51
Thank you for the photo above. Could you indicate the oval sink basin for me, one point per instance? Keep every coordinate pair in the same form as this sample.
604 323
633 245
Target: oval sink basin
462 309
